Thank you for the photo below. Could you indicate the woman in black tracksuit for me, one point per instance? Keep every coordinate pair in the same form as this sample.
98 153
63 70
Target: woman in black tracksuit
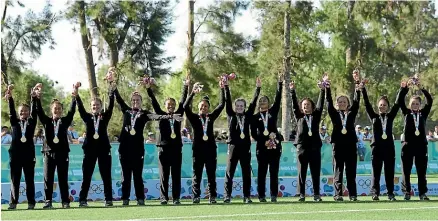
22 151
344 141
56 152
170 145
239 142
308 142
131 148
382 143
96 147
204 145
268 150
414 142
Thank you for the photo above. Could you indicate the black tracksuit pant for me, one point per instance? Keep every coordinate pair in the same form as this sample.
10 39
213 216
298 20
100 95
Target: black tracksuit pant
132 166
409 153
88 164
236 154
345 155
207 157
27 165
169 162
268 159
383 155
310 157
59 162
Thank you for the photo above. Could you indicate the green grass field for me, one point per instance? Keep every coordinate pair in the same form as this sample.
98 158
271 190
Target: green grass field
285 209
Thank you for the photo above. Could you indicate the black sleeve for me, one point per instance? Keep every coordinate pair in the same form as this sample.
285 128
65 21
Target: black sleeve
401 100
217 111
121 102
253 104
71 112
82 112
228 103
33 110
429 101
187 107
12 113
277 101
40 111
356 100
320 103
109 111
183 98
295 106
330 107
155 103
395 107
368 106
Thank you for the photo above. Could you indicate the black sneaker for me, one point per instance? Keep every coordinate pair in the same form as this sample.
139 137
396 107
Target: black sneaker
163 202
262 200
273 199
212 200
247 200
176 202
391 197
375 198
30 206
125 203
65 205
317 198
196 200
424 197
353 198
83 204
12 206
302 198
108 203
227 199
48 205
140 202
407 196
338 198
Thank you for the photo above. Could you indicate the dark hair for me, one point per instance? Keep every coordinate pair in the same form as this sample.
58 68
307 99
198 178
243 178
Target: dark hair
241 100
308 99
264 96
170 99
206 99
135 93
5 127
430 131
346 97
54 101
96 99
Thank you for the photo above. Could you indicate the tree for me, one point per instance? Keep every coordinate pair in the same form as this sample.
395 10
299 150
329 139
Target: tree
24 33
285 97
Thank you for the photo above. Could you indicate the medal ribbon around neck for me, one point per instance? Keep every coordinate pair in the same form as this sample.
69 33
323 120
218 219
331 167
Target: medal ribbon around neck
172 128
204 124
309 123
265 122
23 127
416 117
134 118
384 121
96 122
344 120
56 129
241 123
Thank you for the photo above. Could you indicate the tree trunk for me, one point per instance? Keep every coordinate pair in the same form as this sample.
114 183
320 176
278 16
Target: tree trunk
286 99
86 44
191 42
350 52
114 55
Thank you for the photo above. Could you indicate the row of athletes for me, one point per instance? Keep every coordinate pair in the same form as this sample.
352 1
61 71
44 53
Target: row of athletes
263 125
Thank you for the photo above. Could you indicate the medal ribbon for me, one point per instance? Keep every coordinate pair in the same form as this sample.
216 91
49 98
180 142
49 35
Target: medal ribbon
56 126
172 123
204 123
96 122
134 118
308 122
416 117
344 118
384 122
241 123
265 120
23 127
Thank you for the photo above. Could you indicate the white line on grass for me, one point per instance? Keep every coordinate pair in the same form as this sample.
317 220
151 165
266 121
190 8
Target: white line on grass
290 213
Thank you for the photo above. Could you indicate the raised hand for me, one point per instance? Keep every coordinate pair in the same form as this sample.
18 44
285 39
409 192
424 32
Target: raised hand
75 88
110 74
325 83
36 91
197 87
281 77
356 76
258 82
292 85
8 93
187 81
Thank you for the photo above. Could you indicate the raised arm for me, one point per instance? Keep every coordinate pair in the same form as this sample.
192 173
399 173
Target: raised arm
254 130
252 106
320 102
395 107
40 111
228 103
295 106
330 107
84 115
155 103
109 111
187 107
217 111
277 101
401 100
429 100
121 102
356 100
71 112
183 98
368 106
12 113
